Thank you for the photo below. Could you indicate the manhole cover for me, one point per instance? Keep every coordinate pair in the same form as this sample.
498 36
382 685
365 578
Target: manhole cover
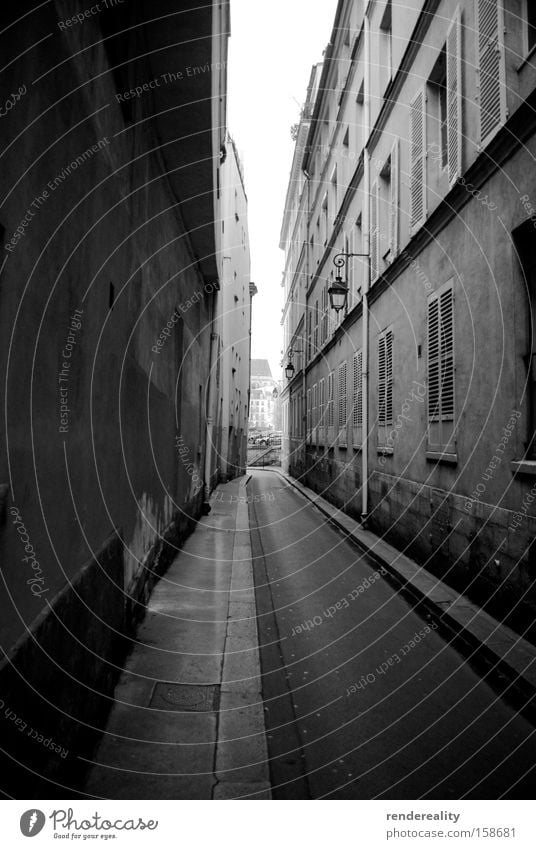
181 697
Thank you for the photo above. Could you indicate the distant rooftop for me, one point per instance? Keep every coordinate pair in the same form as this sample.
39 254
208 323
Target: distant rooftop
260 368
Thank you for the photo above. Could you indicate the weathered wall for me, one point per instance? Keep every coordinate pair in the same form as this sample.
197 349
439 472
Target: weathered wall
104 351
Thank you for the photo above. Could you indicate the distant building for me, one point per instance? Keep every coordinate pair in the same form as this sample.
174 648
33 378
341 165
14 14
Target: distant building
234 318
263 402
415 408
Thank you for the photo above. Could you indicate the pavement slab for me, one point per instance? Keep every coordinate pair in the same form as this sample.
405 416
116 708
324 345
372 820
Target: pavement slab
199 629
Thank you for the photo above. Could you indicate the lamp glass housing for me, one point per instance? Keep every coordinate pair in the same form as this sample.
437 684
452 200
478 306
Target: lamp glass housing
338 294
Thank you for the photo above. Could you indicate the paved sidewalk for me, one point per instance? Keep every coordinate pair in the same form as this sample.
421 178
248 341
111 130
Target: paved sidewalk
205 738
501 648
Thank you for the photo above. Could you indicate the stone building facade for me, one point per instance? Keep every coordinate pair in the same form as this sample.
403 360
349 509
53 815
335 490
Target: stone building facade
419 396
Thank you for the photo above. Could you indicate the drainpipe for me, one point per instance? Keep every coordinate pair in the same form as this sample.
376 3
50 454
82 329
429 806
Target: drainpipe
210 409
366 285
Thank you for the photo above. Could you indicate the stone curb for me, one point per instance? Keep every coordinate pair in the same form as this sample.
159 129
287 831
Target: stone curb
498 646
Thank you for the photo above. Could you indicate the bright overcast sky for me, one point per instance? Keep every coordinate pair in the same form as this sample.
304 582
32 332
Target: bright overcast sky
271 52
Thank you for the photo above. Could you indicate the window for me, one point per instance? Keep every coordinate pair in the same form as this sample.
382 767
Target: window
454 98
330 412
315 350
530 17
374 233
357 409
314 419
325 219
325 313
321 408
342 395
334 195
384 211
343 405
417 140
308 412
347 248
394 200
385 379
491 75
437 85
386 44
441 369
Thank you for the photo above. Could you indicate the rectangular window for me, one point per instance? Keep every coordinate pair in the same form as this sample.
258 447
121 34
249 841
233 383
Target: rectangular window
491 71
530 17
357 411
386 44
308 413
342 418
314 418
385 379
437 93
441 369
374 233
342 396
325 219
330 414
394 200
321 409
454 98
334 196
417 140
315 349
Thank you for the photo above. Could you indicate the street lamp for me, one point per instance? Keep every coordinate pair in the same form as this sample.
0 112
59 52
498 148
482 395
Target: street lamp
289 370
338 291
338 294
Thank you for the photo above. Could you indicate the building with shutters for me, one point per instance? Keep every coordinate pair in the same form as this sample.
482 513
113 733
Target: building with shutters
420 413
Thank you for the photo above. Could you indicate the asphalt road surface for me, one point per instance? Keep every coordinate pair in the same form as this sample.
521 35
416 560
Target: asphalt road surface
365 698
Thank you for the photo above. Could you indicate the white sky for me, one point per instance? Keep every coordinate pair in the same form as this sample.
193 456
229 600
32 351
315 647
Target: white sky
271 51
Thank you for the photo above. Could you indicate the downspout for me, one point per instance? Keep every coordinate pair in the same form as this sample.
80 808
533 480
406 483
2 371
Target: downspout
304 343
366 285
214 344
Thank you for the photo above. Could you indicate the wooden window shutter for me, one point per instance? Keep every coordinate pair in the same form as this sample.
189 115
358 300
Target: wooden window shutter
330 400
342 395
394 199
417 141
358 390
446 308
434 359
454 98
490 67
385 378
441 357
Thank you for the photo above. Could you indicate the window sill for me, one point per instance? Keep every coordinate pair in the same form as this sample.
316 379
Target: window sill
442 457
523 467
526 60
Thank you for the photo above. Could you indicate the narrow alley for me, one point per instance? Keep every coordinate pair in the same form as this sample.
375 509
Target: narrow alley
360 696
